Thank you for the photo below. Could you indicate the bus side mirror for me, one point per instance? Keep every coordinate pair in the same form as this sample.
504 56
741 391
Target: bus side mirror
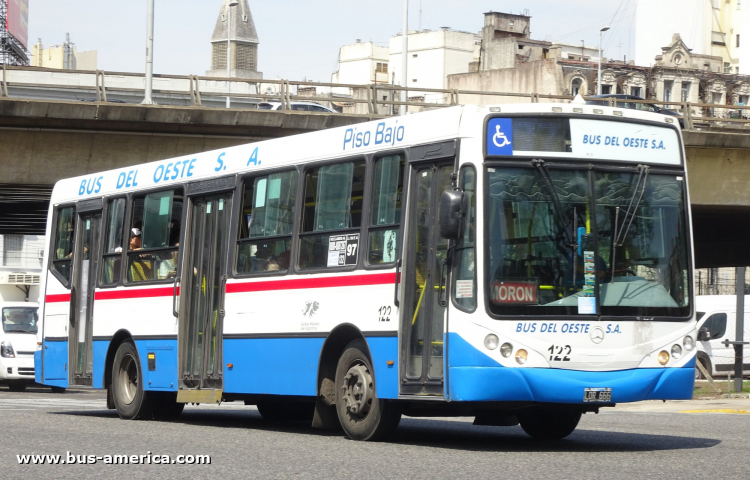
704 335
451 213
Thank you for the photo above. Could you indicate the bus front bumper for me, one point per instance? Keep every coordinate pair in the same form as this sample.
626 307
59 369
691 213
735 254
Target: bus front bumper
546 385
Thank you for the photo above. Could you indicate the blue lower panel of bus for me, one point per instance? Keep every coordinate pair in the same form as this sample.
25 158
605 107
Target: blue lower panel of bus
38 366
164 375
289 366
487 380
55 363
276 366
100 356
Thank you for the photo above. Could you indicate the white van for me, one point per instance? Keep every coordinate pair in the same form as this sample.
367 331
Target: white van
17 344
716 323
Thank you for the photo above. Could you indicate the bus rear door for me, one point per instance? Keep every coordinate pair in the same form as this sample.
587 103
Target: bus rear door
203 285
82 294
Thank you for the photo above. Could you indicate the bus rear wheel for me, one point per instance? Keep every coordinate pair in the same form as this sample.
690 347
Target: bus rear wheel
131 401
362 415
549 424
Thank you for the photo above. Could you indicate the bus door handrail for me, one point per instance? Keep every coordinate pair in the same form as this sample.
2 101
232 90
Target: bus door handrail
397 282
174 297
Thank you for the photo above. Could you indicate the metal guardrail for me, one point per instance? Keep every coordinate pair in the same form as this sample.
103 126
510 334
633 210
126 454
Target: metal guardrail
289 91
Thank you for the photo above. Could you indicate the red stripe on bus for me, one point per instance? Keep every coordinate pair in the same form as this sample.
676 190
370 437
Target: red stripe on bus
139 293
63 297
302 283
295 284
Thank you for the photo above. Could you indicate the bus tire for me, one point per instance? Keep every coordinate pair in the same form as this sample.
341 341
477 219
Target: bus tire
57 389
706 362
131 401
362 415
281 411
549 424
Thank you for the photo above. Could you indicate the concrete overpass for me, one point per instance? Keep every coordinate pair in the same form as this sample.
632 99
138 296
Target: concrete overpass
719 180
43 141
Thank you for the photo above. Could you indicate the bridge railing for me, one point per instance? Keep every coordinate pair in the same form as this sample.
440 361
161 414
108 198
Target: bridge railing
373 99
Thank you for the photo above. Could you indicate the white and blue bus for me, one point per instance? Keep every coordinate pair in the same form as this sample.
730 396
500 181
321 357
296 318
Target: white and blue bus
519 264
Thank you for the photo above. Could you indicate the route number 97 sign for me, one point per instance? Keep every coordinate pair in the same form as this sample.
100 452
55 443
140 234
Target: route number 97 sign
343 250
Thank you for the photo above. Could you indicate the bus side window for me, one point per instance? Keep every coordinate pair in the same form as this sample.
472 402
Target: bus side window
113 242
62 250
333 204
266 223
465 271
386 210
154 235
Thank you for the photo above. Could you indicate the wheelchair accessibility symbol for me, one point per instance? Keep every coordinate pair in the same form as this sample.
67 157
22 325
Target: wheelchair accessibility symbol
500 140
500 136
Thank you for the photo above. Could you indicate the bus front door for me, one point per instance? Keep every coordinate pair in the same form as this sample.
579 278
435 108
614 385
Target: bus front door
84 281
422 315
203 285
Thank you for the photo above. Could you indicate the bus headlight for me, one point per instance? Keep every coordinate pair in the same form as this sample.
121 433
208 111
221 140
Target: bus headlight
506 349
663 357
688 343
6 350
491 341
676 351
521 356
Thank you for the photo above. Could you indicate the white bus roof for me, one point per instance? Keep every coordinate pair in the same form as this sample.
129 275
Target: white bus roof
365 138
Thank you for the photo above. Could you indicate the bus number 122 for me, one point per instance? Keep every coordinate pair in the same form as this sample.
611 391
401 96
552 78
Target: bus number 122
384 314
556 350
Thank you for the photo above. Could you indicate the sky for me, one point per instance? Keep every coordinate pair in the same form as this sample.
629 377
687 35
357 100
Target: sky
301 38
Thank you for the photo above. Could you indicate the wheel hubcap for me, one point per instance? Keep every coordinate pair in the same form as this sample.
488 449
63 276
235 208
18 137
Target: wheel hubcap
357 391
128 380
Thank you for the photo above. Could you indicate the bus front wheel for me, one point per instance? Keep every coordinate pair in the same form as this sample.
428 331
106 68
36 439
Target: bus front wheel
131 401
549 424
362 415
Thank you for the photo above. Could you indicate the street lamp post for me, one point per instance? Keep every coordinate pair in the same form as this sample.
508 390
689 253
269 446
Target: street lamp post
404 58
232 3
599 70
148 100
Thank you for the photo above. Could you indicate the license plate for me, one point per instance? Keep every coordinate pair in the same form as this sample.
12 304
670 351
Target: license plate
597 395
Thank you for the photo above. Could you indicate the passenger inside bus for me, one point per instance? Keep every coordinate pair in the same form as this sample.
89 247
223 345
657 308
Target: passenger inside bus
168 266
141 266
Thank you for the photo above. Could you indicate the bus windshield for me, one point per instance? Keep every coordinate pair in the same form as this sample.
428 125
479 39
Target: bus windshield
579 241
20 320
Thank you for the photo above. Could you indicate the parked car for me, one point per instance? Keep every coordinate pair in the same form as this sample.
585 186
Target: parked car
717 321
17 344
299 106
621 102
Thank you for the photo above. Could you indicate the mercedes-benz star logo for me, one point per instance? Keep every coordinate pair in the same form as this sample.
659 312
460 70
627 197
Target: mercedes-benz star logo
597 335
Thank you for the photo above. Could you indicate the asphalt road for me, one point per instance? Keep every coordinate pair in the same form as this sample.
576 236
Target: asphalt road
633 442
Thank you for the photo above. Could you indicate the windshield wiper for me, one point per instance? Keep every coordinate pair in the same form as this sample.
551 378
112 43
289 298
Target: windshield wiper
618 238
561 217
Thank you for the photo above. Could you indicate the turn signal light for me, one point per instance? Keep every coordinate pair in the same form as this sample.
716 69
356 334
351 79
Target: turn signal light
663 357
521 356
